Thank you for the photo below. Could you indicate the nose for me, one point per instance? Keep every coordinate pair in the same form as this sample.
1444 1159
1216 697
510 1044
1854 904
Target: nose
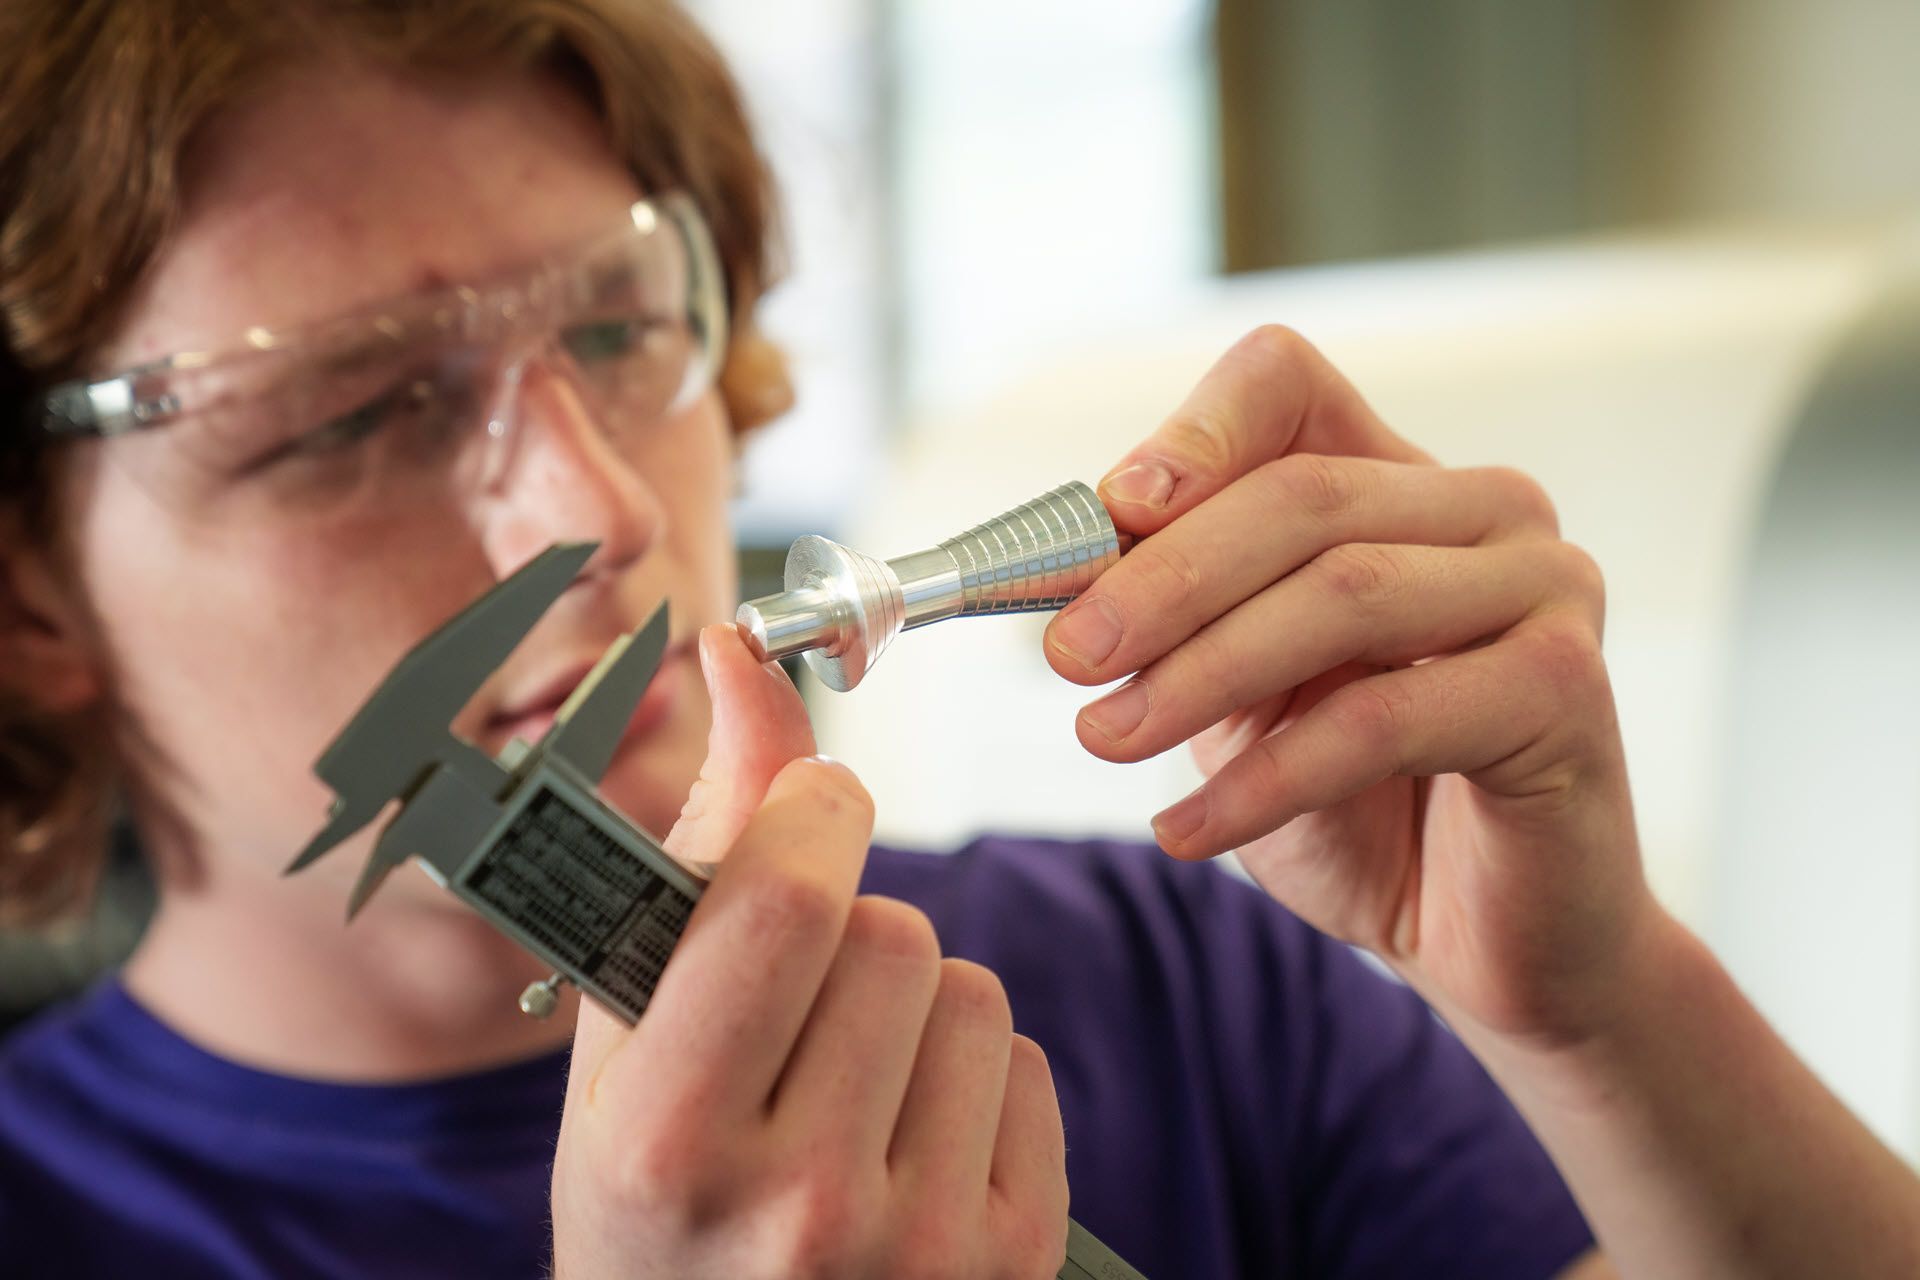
564 479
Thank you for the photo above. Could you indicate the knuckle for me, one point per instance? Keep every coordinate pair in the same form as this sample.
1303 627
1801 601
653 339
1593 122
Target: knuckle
1367 575
1210 656
1566 657
1371 712
1259 770
1583 575
1526 496
1325 487
1279 345
783 904
640 1179
1558 787
1030 1082
1037 1245
826 1226
658 1174
888 927
973 993
1028 1059
839 795
1202 438
1029 1232
1172 577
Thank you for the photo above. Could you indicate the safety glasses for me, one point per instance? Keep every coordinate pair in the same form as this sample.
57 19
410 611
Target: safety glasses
422 393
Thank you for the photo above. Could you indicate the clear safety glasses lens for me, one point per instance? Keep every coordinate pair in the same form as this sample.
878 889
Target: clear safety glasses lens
419 395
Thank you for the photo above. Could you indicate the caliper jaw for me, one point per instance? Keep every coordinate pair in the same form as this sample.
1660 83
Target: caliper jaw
399 745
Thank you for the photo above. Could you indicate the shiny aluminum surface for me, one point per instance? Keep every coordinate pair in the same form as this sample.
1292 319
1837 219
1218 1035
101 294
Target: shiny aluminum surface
843 607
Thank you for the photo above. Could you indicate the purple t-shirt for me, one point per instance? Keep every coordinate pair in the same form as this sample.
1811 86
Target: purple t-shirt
1242 1097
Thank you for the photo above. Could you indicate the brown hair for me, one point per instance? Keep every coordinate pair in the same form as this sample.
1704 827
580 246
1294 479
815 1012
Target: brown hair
99 99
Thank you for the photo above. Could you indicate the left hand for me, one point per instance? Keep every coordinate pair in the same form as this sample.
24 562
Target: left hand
1391 674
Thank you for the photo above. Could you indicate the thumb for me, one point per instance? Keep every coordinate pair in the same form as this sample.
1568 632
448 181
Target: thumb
759 725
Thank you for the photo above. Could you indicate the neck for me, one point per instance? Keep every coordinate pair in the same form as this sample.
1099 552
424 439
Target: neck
268 974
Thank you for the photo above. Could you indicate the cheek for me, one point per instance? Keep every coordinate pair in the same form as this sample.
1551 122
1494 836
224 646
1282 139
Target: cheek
236 655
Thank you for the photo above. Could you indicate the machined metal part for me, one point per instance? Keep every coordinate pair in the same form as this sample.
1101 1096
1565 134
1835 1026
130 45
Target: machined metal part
841 608
525 839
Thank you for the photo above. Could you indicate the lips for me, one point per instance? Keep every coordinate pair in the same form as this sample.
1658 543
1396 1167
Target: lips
530 716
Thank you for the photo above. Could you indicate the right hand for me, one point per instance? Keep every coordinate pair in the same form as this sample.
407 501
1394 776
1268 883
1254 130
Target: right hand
813 1091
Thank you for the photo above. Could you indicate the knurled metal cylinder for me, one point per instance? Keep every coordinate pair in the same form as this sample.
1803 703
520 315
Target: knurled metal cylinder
842 608
1038 556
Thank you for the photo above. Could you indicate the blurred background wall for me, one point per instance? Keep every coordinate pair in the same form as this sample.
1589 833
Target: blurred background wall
1354 128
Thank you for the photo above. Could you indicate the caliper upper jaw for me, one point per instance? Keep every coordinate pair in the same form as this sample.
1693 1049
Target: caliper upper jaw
451 813
590 724
395 741
398 746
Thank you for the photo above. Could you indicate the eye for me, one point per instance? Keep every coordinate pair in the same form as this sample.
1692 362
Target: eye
612 339
391 407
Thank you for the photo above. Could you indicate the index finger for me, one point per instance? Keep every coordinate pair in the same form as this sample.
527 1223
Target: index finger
1271 394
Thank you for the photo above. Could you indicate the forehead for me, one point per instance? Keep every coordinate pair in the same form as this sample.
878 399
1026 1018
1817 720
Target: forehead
336 186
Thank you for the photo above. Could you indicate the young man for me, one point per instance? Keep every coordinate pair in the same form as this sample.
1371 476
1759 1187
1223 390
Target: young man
442 305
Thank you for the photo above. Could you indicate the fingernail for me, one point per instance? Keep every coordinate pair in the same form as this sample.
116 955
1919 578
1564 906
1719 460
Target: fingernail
1147 484
1088 631
1120 712
1183 819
